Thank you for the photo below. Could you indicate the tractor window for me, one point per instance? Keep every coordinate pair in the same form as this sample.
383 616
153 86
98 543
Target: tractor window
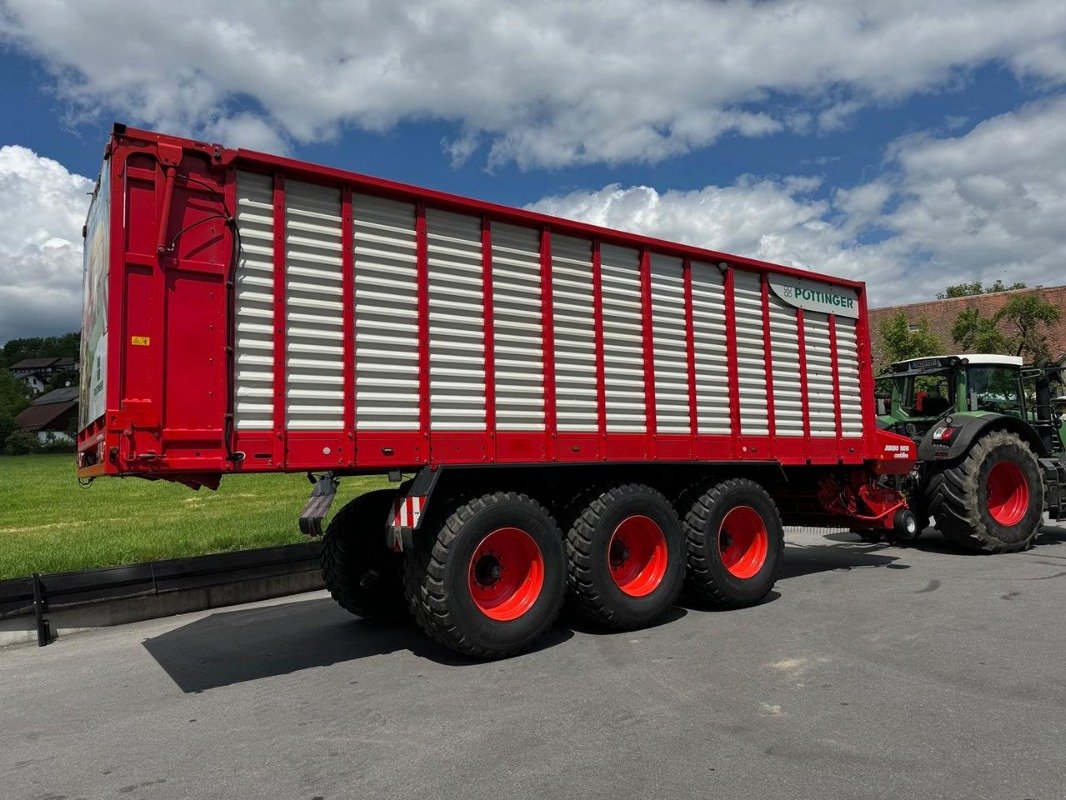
995 389
927 395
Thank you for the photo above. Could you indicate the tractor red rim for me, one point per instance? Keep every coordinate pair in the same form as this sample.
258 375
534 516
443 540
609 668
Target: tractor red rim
637 555
506 574
743 542
1008 493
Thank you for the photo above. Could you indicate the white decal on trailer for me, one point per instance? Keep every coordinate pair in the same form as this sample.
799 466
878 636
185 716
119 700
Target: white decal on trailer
815 295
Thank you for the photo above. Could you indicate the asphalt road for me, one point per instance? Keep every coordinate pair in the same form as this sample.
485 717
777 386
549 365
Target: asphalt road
873 672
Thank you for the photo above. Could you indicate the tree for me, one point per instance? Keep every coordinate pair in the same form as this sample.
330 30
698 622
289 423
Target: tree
1024 316
978 334
899 342
977 287
1017 328
14 397
39 347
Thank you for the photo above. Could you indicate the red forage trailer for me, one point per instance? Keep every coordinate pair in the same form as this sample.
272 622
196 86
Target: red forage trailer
562 407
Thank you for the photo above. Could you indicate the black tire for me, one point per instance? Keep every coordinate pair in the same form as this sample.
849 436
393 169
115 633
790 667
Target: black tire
708 577
359 570
959 496
597 558
905 526
440 573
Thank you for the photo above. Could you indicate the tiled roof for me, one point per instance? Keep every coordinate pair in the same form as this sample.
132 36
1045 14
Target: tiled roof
941 314
37 418
62 395
34 363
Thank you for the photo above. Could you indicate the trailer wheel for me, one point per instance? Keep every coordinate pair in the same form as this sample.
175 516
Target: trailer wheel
361 573
489 577
625 557
993 500
735 544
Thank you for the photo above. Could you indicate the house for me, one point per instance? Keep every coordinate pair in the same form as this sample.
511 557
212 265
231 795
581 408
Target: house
940 316
51 414
35 372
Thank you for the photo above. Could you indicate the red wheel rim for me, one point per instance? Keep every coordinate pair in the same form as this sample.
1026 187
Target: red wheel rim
1008 493
506 574
743 542
636 554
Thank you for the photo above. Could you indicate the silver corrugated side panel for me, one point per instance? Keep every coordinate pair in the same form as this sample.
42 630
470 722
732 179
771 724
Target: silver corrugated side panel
386 314
751 354
819 374
456 322
712 360
314 308
518 339
623 344
254 305
785 358
848 370
670 345
575 335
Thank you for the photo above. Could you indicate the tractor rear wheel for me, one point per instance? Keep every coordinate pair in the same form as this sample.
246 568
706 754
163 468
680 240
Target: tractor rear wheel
361 573
735 544
625 556
486 578
991 501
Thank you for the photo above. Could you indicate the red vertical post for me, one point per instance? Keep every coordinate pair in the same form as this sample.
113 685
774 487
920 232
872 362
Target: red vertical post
866 375
422 265
805 400
768 351
488 320
229 194
690 352
547 314
836 380
348 316
597 319
731 356
279 320
648 335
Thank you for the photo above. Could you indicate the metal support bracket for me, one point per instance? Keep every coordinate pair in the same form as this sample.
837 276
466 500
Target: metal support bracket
40 608
318 505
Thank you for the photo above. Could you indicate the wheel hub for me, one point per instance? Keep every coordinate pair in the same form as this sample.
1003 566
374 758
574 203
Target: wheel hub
743 542
637 555
488 569
506 574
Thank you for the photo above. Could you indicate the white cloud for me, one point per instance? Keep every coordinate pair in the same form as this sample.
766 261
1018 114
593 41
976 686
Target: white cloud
42 210
551 83
985 205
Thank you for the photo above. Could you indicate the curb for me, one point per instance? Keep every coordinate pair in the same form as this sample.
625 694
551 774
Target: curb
42 607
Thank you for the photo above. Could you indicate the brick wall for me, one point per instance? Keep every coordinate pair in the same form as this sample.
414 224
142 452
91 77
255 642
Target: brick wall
940 314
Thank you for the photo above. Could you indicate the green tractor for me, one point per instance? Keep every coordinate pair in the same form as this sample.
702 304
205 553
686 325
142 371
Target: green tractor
991 446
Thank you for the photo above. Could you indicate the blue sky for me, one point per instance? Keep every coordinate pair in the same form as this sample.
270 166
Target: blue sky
883 141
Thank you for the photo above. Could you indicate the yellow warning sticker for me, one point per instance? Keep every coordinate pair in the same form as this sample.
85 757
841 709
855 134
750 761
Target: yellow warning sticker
140 341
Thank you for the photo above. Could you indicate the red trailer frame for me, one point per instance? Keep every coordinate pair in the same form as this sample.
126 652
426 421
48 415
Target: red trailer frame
169 284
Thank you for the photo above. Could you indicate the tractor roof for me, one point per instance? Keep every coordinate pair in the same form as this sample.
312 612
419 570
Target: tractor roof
974 358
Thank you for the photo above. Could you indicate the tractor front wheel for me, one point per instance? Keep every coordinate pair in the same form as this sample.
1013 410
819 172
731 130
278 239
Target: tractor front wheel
991 501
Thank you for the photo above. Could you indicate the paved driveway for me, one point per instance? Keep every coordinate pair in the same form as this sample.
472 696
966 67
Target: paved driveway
873 672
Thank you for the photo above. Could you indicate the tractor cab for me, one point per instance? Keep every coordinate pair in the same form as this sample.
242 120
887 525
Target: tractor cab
920 395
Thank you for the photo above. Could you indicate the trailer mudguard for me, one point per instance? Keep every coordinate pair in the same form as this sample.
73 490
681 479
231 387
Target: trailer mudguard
955 434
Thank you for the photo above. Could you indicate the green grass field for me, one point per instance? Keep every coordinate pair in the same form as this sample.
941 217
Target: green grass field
48 523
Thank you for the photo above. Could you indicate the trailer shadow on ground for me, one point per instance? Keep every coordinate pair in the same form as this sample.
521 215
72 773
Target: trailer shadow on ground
229 647
932 542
